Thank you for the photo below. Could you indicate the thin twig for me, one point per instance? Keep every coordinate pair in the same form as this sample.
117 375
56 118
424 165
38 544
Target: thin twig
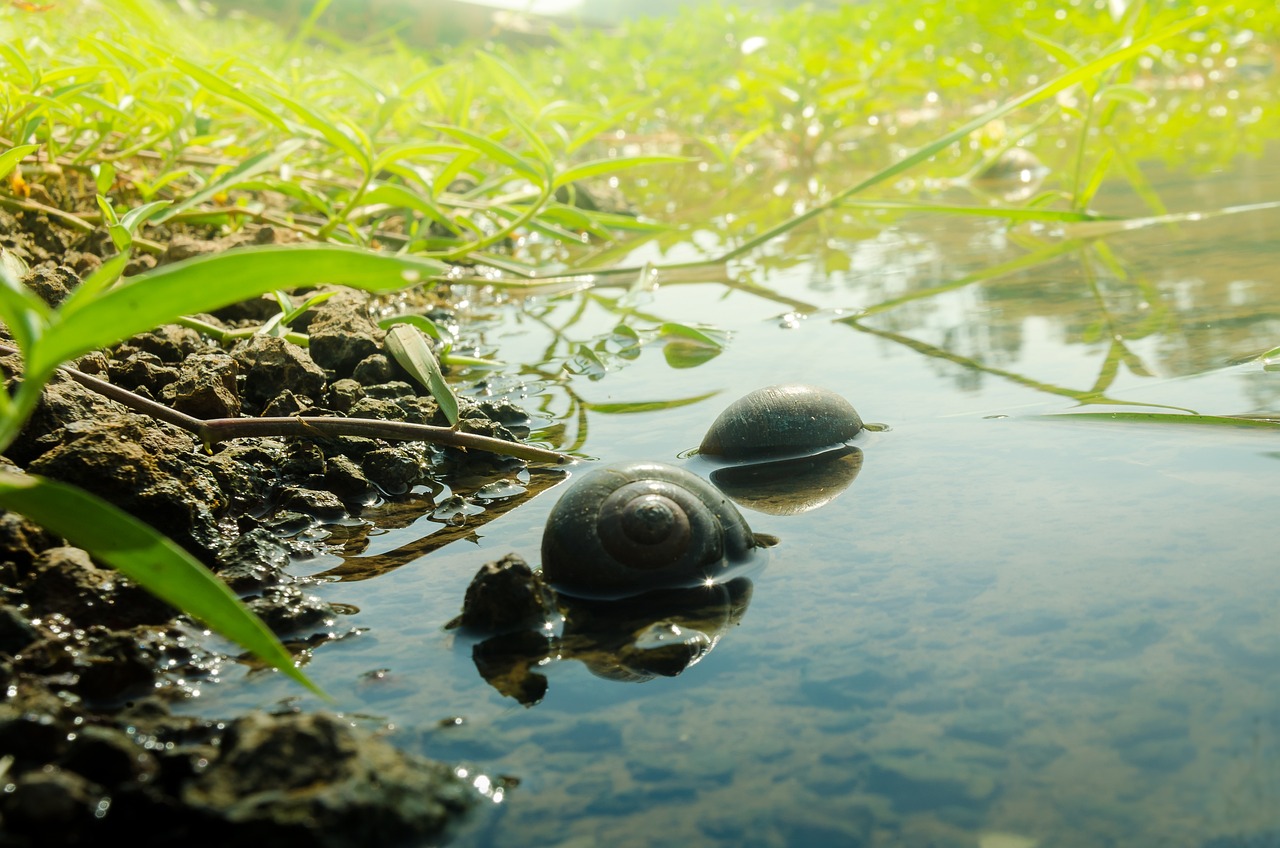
211 431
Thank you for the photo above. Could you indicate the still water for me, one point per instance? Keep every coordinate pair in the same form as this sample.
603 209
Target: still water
1009 630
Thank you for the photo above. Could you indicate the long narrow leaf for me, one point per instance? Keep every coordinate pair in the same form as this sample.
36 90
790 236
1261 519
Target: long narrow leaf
246 170
147 558
412 350
11 157
219 86
211 282
600 167
494 151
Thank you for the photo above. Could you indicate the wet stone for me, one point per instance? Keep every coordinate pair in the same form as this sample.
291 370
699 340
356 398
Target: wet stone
343 394
324 506
141 369
256 559
51 801
389 391
21 541
108 757
341 336
271 365
345 479
116 669
172 343
372 370
506 595
302 459
394 470
383 410
285 405
15 631
286 610
205 388
145 470
314 780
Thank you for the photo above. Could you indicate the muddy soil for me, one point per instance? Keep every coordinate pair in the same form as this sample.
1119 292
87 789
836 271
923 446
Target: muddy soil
89 748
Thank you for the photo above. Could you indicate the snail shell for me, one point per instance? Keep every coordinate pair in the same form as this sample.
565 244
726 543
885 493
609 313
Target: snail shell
780 420
626 529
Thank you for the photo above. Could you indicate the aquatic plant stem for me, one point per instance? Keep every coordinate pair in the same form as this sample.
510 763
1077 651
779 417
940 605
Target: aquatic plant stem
211 431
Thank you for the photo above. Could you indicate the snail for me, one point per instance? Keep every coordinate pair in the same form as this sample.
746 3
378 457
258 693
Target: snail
781 420
629 528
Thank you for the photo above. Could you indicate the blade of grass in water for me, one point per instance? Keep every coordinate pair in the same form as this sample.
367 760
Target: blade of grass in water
1164 418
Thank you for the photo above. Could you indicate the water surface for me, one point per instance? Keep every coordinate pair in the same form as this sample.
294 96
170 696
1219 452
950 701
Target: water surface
1010 630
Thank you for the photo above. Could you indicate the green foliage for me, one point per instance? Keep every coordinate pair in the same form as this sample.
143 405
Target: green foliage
96 316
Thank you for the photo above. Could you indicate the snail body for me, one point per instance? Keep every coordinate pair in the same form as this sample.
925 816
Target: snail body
781 420
627 529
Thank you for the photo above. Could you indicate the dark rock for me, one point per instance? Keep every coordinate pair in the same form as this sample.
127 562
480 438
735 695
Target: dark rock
30 738
324 506
172 343
63 401
373 370
271 365
506 595
384 410
343 393
302 459
52 801
144 470
345 479
253 561
394 470
108 757
205 388
341 335
65 580
313 780
285 405
113 666
52 285
21 541
16 632
287 611
141 369
390 391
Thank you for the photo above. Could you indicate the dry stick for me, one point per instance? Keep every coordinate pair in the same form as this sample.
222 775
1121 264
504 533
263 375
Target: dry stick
214 430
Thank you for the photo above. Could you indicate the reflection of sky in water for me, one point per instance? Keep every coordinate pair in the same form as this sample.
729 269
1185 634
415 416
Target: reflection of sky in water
1048 633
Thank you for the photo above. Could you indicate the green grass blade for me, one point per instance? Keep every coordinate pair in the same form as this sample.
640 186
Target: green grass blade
207 283
147 558
11 157
352 142
1166 418
646 405
412 350
102 278
600 167
221 87
246 170
494 151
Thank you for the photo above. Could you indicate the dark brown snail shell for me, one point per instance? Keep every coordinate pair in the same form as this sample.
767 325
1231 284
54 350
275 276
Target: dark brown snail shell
630 528
781 420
